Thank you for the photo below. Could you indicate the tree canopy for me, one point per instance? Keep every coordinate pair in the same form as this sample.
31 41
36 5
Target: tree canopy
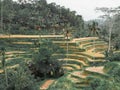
28 16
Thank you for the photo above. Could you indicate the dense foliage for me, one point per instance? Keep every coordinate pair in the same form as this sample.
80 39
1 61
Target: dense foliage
100 84
63 83
30 16
19 78
114 57
45 61
110 26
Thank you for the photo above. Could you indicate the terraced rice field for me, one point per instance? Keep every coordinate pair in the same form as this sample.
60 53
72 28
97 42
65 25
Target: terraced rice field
79 78
76 62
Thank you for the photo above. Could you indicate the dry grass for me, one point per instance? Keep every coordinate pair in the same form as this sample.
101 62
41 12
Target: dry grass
14 52
30 36
1 71
77 60
67 68
22 43
94 54
46 84
80 74
74 65
84 39
96 69
10 67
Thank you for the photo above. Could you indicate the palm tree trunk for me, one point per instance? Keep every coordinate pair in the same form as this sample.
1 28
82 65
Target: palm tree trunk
1 16
39 37
67 48
110 33
109 45
6 76
9 31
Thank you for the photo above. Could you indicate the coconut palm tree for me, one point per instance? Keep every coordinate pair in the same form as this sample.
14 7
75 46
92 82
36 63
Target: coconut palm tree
67 33
94 30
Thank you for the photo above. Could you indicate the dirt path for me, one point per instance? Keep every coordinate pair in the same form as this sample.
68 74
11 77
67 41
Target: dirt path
46 84
81 74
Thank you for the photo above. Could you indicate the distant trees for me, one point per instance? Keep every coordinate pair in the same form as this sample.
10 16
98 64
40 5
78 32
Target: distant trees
111 22
114 57
24 16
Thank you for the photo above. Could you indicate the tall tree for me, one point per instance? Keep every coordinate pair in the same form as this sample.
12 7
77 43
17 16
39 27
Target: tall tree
108 15
94 29
1 4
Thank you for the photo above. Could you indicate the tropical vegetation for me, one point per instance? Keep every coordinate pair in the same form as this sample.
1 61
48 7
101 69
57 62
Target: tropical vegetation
45 46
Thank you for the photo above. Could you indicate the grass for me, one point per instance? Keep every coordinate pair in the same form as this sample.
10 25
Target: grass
74 66
77 76
92 55
62 83
30 36
88 47
46 84
92 43
76 56
74 61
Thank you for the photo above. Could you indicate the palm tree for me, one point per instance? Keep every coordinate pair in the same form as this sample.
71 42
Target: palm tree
109 14
67 35
67 32
94 30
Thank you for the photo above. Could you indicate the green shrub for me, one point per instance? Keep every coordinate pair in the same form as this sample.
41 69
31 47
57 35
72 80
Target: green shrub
19 78
45 64
62 83
110 66
113 69
114 57
100 84
117 43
